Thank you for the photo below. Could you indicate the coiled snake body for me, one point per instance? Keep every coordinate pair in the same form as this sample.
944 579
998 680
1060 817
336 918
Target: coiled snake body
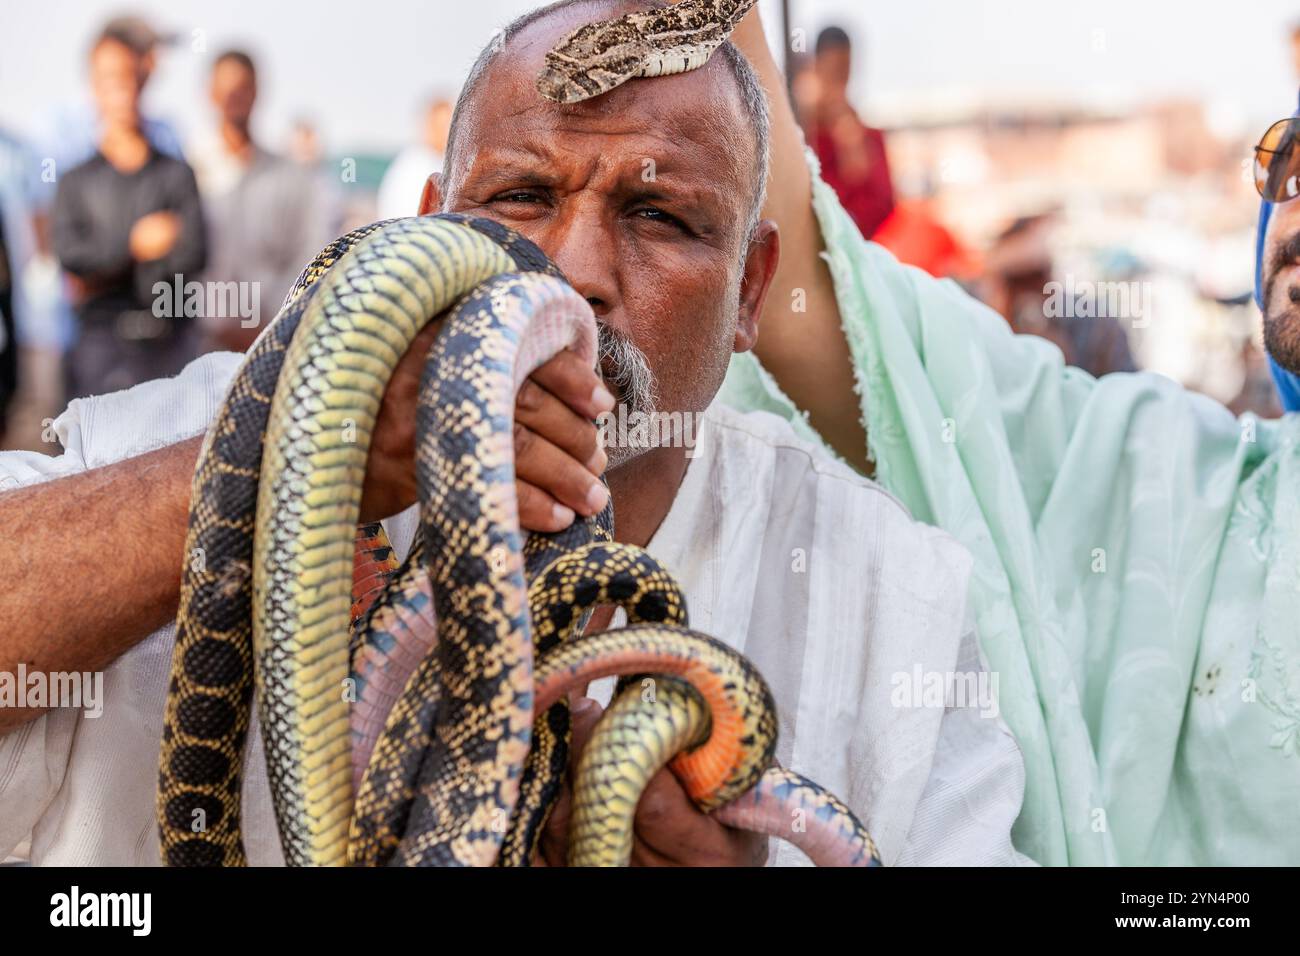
472 749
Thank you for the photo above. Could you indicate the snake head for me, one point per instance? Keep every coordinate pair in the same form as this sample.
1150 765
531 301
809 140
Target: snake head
556 86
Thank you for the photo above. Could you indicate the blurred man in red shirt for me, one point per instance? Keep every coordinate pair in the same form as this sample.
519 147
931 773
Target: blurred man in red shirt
852 154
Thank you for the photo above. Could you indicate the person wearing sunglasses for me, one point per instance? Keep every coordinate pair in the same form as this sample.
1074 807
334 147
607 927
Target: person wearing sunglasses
1277 254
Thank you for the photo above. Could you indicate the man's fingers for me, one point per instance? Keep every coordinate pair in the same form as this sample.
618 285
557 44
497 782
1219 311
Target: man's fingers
538 511
554 471
576 384
667 809
545 414
671 829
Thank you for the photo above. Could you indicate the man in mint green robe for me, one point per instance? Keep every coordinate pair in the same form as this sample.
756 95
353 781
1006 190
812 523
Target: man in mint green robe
1137 565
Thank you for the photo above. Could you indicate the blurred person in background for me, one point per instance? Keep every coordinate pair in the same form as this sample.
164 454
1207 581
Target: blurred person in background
40 312
916 234
75 129
263 221
304 144
8 331
399 192
125 220
70 137
852 155
1019 273
17 249
305 149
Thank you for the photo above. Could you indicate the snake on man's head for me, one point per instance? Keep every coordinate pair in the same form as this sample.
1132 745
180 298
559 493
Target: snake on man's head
661 41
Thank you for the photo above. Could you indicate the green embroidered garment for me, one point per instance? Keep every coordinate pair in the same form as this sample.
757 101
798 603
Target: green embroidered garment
1137 566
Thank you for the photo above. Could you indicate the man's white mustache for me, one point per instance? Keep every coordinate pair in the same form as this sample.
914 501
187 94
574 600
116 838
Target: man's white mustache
626 369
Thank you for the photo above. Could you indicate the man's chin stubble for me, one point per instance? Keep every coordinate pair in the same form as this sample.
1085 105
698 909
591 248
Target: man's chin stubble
1282 338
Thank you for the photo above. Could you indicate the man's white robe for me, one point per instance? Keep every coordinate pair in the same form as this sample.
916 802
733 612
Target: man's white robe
855 614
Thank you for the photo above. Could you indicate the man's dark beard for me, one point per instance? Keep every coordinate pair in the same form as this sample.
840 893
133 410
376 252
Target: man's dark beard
1282 333
1282 323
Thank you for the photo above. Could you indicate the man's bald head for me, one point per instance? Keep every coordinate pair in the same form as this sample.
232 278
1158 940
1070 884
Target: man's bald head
748 89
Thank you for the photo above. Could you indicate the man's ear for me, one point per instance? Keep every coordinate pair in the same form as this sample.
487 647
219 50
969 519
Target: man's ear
431 197
760 267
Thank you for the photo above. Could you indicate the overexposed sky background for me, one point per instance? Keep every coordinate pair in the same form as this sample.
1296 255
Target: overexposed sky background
360 69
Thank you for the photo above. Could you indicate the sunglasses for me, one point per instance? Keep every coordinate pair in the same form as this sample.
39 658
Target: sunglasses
1277 161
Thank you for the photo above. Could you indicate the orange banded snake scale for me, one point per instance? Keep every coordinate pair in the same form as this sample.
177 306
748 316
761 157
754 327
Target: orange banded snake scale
417 715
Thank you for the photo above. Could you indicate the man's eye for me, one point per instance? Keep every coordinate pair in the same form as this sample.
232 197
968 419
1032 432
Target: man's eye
519 195
658 215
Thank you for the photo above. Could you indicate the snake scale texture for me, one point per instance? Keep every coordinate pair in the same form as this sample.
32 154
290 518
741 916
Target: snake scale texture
677 38
417 714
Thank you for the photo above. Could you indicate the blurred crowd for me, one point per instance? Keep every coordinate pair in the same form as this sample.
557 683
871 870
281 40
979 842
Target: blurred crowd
124 253
1143 223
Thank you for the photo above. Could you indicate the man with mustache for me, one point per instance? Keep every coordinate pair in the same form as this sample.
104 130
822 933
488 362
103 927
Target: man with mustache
765 532
1277 287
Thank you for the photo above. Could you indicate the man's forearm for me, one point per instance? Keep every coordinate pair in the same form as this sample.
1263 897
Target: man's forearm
91 564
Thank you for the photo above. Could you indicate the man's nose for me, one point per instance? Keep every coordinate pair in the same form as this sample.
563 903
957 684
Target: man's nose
585 251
